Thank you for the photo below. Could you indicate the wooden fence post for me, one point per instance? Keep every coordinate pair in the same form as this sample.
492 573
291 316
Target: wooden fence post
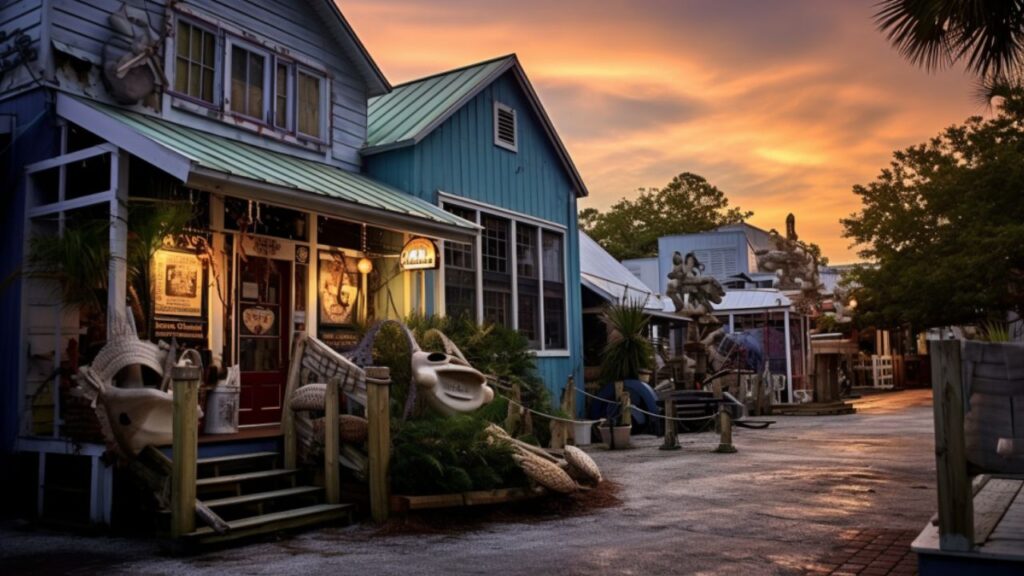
569 406
287 415
956 503
185 430
725 445
332 477
378 379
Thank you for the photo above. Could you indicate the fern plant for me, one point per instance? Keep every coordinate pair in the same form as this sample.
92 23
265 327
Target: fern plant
447 455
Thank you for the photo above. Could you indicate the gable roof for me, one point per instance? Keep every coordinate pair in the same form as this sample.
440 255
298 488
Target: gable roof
413 110
343 33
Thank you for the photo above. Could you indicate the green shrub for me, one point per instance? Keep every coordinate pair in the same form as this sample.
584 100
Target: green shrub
439 455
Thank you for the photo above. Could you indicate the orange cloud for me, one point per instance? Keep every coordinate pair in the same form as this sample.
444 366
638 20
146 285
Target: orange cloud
783 105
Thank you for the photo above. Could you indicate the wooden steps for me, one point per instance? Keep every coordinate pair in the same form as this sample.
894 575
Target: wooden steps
244 477
273 522
257 497
246 495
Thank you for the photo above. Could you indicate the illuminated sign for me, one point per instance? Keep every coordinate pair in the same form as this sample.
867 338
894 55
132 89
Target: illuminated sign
418 254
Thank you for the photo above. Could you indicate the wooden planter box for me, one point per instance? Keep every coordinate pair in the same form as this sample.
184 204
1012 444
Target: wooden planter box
403 503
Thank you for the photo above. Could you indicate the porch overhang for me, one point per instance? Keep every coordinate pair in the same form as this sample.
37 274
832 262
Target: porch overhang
210 161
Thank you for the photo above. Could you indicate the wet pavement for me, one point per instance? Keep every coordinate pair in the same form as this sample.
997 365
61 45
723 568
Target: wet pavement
789 502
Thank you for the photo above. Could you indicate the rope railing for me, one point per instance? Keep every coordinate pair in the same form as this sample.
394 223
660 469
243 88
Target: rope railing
651 414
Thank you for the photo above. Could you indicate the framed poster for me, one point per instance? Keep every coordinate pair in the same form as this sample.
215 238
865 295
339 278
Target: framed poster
177 283
337 289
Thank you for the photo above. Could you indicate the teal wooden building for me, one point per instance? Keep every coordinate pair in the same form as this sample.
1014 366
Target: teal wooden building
477 142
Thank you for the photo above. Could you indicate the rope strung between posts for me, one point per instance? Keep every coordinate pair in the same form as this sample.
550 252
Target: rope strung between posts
550 416
651 414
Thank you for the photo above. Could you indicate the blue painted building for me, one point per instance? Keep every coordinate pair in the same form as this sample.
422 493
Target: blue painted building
478 142
308 173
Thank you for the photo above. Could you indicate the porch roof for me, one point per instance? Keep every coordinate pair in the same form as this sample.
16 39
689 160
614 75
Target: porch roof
188 154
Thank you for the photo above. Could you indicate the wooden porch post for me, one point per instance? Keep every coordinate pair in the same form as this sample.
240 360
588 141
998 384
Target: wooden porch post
956 502
378 379
185 428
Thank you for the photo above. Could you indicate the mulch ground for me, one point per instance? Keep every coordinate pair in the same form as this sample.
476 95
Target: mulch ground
543 508
870 552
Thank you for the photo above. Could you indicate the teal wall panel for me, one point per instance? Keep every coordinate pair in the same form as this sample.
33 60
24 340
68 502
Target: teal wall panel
460 158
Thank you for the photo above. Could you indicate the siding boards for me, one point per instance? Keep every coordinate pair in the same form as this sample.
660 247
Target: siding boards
24 15
35 142
293 26
459 157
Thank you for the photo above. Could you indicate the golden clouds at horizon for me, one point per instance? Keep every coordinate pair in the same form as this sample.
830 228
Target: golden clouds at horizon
784 106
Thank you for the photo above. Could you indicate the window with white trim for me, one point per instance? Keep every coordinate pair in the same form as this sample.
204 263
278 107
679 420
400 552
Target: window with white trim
249 82
521 262
195 61
310 101
506 129
258 84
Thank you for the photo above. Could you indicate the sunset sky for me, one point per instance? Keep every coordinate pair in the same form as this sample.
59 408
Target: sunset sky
784 105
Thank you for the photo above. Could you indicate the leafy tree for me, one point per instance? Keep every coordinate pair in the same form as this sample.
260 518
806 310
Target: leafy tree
631 228
944 227
987 35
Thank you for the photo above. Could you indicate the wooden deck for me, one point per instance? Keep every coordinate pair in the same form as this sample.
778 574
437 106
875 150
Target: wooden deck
998 533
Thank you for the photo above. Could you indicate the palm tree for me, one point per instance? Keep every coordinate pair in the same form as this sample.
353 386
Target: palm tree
986 35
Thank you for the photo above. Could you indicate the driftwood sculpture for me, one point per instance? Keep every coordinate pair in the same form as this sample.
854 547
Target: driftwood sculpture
692 293
132 417
793 264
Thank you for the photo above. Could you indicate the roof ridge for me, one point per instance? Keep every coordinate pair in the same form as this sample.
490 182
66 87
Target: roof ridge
511 55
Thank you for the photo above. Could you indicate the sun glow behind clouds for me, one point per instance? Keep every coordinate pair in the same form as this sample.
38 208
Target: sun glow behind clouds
783 105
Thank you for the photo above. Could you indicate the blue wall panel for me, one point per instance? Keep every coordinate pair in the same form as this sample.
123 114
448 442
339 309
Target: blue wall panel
460 158
36 139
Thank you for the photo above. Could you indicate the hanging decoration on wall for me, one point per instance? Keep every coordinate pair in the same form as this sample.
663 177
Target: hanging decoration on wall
419 254
131 58
338 289
177 283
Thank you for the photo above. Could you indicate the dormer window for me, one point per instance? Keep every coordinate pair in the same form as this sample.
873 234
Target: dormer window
506 130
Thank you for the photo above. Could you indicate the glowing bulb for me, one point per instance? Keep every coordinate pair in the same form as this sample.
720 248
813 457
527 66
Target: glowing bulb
853 303
365 266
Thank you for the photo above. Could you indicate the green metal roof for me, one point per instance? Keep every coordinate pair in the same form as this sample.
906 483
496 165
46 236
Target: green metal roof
412 110
221 155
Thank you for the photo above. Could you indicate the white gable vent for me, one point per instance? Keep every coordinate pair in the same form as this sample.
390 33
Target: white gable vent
506 132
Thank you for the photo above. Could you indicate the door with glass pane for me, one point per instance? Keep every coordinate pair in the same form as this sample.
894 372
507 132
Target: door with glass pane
263 320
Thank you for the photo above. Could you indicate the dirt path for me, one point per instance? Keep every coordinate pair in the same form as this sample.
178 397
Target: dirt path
776 507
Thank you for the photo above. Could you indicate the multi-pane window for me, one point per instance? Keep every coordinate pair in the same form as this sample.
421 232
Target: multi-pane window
310 105
527 265
497 275
554 289
521 269
248 82
460 272
195 62
250 79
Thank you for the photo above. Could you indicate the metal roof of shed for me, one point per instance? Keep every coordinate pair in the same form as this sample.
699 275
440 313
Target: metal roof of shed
752 301
184 152
606 276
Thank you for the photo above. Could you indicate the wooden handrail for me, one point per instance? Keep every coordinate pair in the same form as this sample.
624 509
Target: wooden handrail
332 479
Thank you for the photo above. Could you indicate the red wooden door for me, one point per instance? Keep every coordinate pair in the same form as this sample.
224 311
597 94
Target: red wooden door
263 321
